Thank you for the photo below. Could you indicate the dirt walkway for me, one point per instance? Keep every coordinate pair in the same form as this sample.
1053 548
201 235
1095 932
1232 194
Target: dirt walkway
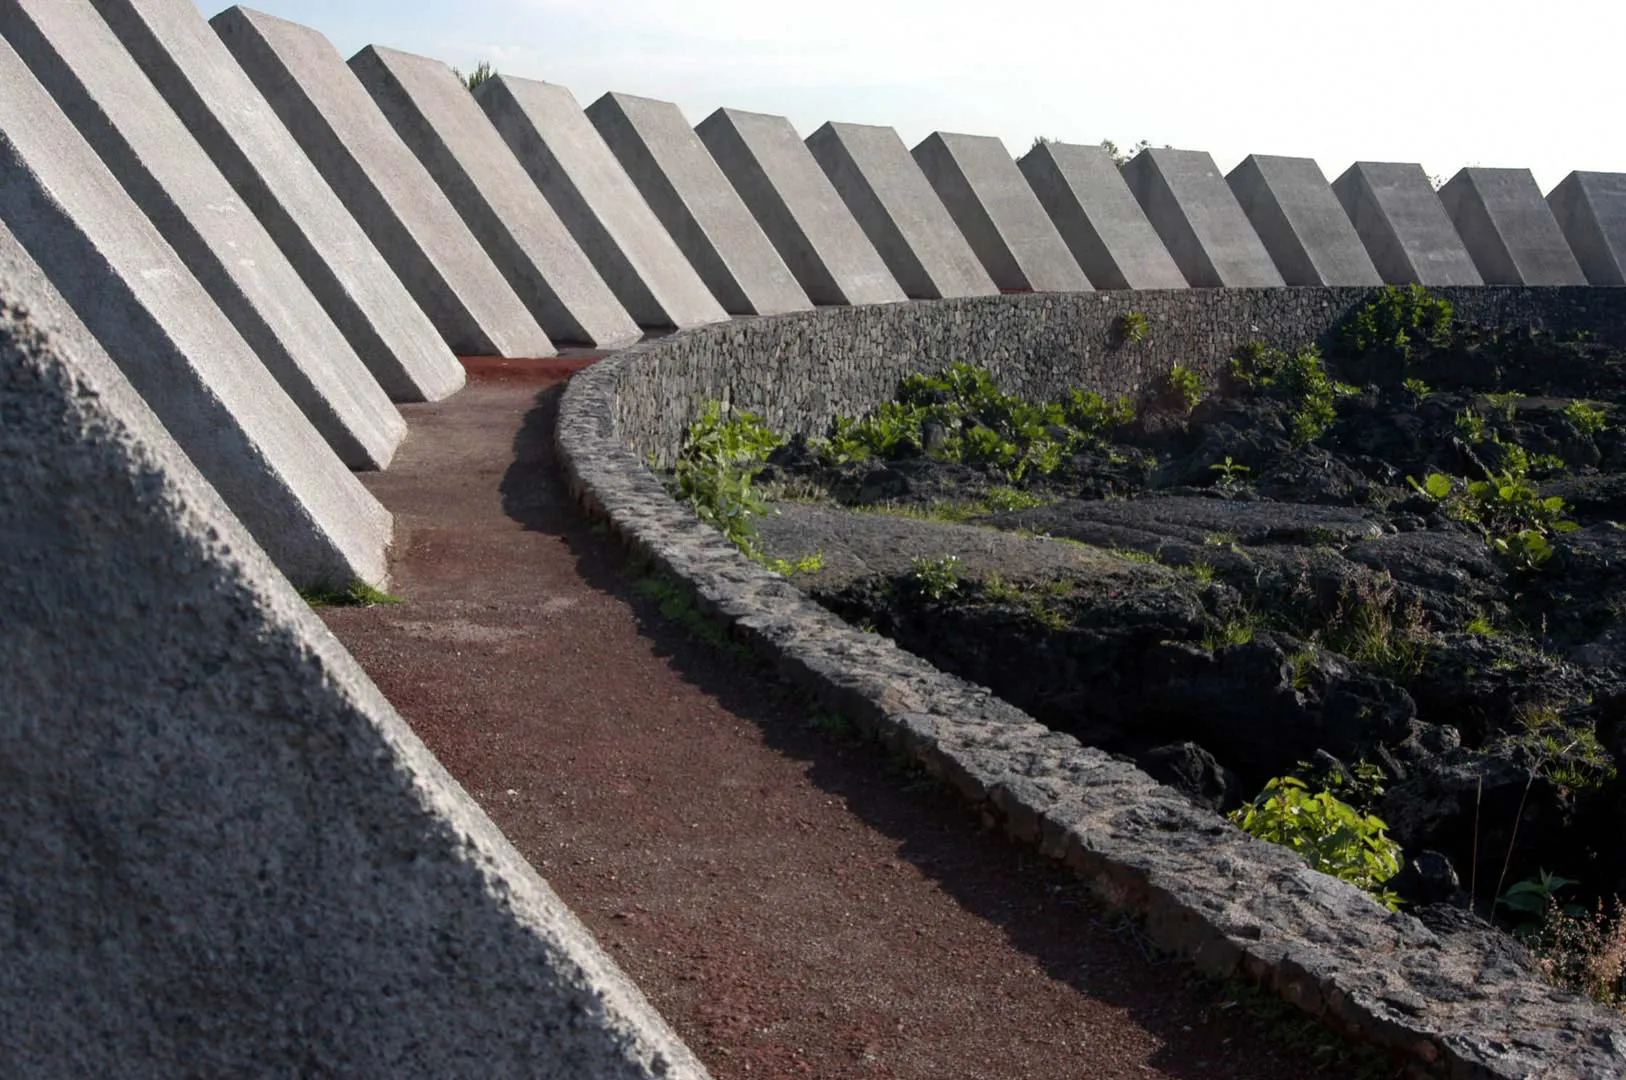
791 902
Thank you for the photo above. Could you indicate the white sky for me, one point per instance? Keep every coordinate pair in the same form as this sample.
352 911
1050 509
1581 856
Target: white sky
1445 83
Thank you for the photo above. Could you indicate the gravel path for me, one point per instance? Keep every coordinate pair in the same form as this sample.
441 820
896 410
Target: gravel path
794 904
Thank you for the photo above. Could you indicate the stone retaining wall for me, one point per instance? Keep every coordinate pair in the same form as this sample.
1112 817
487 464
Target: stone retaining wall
1453 1004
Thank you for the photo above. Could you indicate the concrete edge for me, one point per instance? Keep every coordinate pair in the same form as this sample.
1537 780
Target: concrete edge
1229 904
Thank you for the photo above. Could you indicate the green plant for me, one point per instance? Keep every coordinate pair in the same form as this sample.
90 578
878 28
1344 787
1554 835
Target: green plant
1512 515
1373 626
356 594
1583 953
937 579
1333 836
806 564
1587 418
1534 897
1230 472
1480 624
1200 571
1416 390
1232 630
675 601
834 725
1000 500
1507 403
1300 380
482 71
1184 385
1398 319
1471 426
714 469
1360 784
1133 328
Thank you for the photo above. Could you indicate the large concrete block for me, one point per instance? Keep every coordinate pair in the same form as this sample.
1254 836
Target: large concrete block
1591 212
393 198
1082 190
214 99
1300 222
671 168
598 203
436 116
119 111
1508 228
798 207
998 213
1192 208
896 207
1404 226
222 852
62 205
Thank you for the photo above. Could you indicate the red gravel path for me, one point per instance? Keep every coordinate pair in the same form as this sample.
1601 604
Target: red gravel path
794 904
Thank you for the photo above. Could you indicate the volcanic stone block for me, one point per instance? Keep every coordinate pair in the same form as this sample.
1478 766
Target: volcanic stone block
177 349
671 168
1192 208
1298 219
435 115
119 111
1508 228
222 852
1103 226
393 198
214 99
898 210
998 213
1591 212
1404 226
598 203
798 207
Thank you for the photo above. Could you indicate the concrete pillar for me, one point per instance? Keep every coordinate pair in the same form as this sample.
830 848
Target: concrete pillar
1192 208
1404 226
1300 222
1591 212
1509 229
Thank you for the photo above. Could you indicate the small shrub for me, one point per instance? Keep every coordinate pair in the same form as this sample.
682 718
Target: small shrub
1587 418
1584 953
1398 320
1300 380
1415 390
936 579
1373 626
1471 426
482 71
1333 836
714 473
1184 386
1133 328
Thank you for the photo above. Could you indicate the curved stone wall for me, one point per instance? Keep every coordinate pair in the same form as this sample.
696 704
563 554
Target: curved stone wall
1232 904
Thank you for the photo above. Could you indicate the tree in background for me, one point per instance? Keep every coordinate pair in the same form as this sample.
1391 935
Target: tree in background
1118 156
479 75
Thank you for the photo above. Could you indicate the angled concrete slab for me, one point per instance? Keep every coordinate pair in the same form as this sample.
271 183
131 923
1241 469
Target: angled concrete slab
1509 229
1300 221
896 207
1082 190
1404 226
998 213
1192 208
64 207
677 177
775 174
435 115
394 199
229 854
592 194
1591 211
172 42
119 111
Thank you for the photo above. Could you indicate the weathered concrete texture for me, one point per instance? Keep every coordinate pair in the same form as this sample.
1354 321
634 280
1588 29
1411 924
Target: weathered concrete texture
223 853
393 198
214 99
1591 212
596 200
175 346
1300 222
998 213
1192 208
896 207
1082 190
1404 226
775 174
117 109
702 212
433 112
1509 229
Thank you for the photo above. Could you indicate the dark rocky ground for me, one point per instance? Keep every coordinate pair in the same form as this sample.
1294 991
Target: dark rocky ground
1222 603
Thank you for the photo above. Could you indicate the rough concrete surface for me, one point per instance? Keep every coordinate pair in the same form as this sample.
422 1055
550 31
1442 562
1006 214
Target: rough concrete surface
998 213
175 346
1509 229
1193 210
1591 212
1300 222
1404 226
1082 190
230 119
433 112
873 173
222 851
598 203
392 196
121 114
775 174
672 170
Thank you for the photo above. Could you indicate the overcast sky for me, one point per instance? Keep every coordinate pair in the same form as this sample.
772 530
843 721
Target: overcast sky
1445 83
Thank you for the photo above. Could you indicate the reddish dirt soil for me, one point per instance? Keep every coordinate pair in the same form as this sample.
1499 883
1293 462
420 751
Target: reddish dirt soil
791 901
